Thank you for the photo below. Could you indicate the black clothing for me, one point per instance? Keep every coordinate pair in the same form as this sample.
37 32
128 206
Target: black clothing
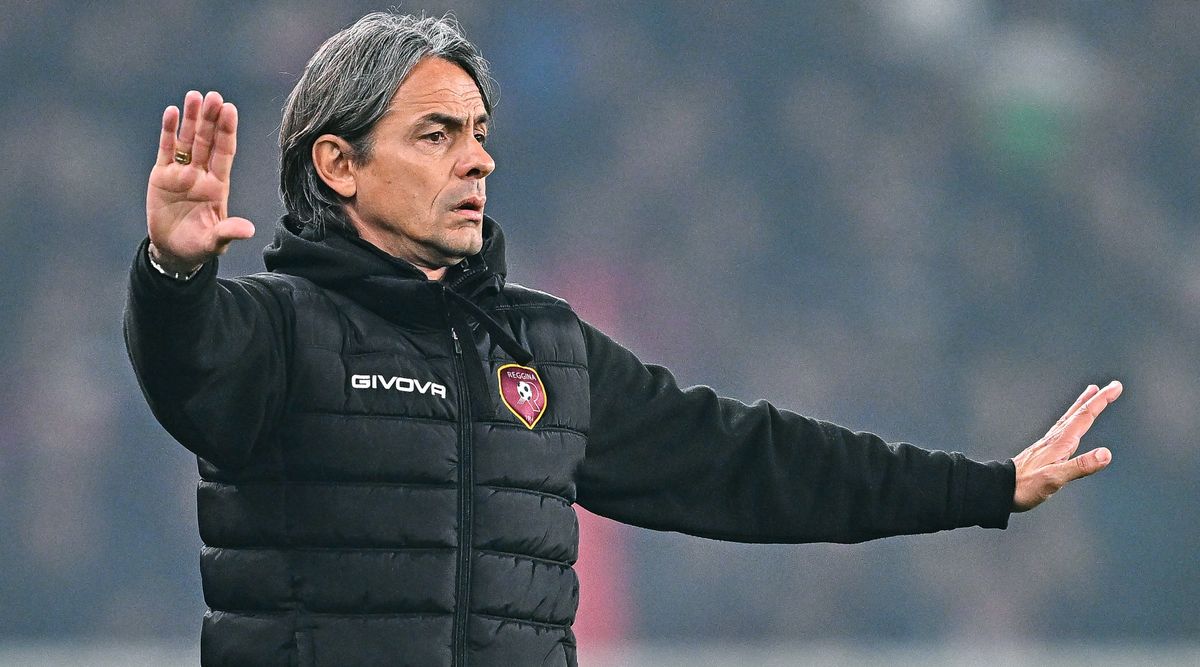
367 496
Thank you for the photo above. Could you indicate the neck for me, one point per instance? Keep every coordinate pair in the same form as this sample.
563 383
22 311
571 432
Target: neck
433 274
370 235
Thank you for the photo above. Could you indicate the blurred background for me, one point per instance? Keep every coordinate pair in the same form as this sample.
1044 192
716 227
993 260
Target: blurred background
935 220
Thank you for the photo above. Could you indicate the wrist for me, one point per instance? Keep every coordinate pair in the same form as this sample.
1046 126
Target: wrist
171 268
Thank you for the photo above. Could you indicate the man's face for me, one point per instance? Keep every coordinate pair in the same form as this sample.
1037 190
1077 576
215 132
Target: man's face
420 194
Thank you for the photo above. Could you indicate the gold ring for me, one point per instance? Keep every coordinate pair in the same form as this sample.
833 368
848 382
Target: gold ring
183 157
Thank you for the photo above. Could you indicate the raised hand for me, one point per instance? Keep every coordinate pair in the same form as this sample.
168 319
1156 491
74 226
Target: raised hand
187 201
1046 466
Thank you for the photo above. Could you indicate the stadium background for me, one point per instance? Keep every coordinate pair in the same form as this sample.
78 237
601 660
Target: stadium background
934 220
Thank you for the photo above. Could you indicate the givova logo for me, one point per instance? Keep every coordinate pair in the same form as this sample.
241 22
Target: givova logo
403 384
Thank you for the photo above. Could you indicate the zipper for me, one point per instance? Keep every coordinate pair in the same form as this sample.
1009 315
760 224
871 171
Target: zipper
466 483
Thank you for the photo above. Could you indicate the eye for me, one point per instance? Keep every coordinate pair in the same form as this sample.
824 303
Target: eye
435 137
481 138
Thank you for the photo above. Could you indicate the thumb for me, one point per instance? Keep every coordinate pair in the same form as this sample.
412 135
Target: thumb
1085 464
233 229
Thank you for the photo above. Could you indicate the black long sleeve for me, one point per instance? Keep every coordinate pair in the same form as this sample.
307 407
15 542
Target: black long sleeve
209 356
690 461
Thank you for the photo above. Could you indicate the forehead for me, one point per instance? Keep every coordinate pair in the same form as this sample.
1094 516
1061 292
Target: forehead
435 84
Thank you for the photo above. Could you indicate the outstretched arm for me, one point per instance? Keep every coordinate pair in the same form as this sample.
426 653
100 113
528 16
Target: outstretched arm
685 459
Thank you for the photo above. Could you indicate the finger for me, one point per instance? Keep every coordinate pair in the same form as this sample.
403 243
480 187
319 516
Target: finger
166 138
225 142
1055 437
1087 393
210 109
1082 465
1083 418
191 114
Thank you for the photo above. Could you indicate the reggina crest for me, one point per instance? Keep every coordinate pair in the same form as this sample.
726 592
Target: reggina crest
522 392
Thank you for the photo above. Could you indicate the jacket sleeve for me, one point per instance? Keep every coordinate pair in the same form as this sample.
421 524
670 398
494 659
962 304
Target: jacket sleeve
690 461
209 355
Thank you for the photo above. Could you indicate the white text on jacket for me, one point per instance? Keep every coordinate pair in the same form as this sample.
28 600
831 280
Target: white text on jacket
407 385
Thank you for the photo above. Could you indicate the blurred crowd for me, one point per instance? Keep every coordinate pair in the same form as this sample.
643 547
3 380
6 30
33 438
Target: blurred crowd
935 220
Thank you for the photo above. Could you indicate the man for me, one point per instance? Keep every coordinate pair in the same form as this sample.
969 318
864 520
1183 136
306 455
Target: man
391 436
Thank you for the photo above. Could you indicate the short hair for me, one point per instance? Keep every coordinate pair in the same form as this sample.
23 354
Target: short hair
346 89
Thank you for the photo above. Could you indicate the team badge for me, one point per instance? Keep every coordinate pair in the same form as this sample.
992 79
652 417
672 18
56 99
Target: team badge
523 393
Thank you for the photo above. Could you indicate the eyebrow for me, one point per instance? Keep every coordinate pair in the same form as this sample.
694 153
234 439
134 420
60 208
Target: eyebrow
453 122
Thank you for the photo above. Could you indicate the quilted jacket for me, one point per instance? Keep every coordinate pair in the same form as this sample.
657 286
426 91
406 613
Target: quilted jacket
388 465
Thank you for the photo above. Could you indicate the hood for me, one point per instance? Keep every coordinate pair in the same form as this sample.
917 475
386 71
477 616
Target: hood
346 264
333 257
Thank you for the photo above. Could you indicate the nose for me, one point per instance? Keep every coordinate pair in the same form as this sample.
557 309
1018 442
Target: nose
476 162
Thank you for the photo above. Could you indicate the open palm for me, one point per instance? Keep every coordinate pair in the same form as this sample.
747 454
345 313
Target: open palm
187 199
1046 465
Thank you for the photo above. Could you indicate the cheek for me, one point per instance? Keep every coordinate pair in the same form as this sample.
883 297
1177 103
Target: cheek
390 191
406 192
413 189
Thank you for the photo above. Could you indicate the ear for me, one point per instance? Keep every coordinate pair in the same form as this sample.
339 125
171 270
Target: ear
331 155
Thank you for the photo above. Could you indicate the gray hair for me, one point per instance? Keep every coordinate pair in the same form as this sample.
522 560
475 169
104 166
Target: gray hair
347 88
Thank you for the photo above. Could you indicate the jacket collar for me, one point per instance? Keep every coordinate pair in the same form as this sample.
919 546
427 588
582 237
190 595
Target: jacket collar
390 287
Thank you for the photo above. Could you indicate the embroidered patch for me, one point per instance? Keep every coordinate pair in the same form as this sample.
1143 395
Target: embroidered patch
523 393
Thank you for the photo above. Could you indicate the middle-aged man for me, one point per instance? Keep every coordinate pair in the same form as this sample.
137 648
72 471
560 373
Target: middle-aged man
391 436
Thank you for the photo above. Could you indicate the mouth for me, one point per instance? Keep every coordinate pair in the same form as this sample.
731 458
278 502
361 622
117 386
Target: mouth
471 208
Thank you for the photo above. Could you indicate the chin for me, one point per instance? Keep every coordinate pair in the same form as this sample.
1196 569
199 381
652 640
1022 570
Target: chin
463 245
474 243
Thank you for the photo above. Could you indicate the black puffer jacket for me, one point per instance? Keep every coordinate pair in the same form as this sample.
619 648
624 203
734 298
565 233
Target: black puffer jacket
388 464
